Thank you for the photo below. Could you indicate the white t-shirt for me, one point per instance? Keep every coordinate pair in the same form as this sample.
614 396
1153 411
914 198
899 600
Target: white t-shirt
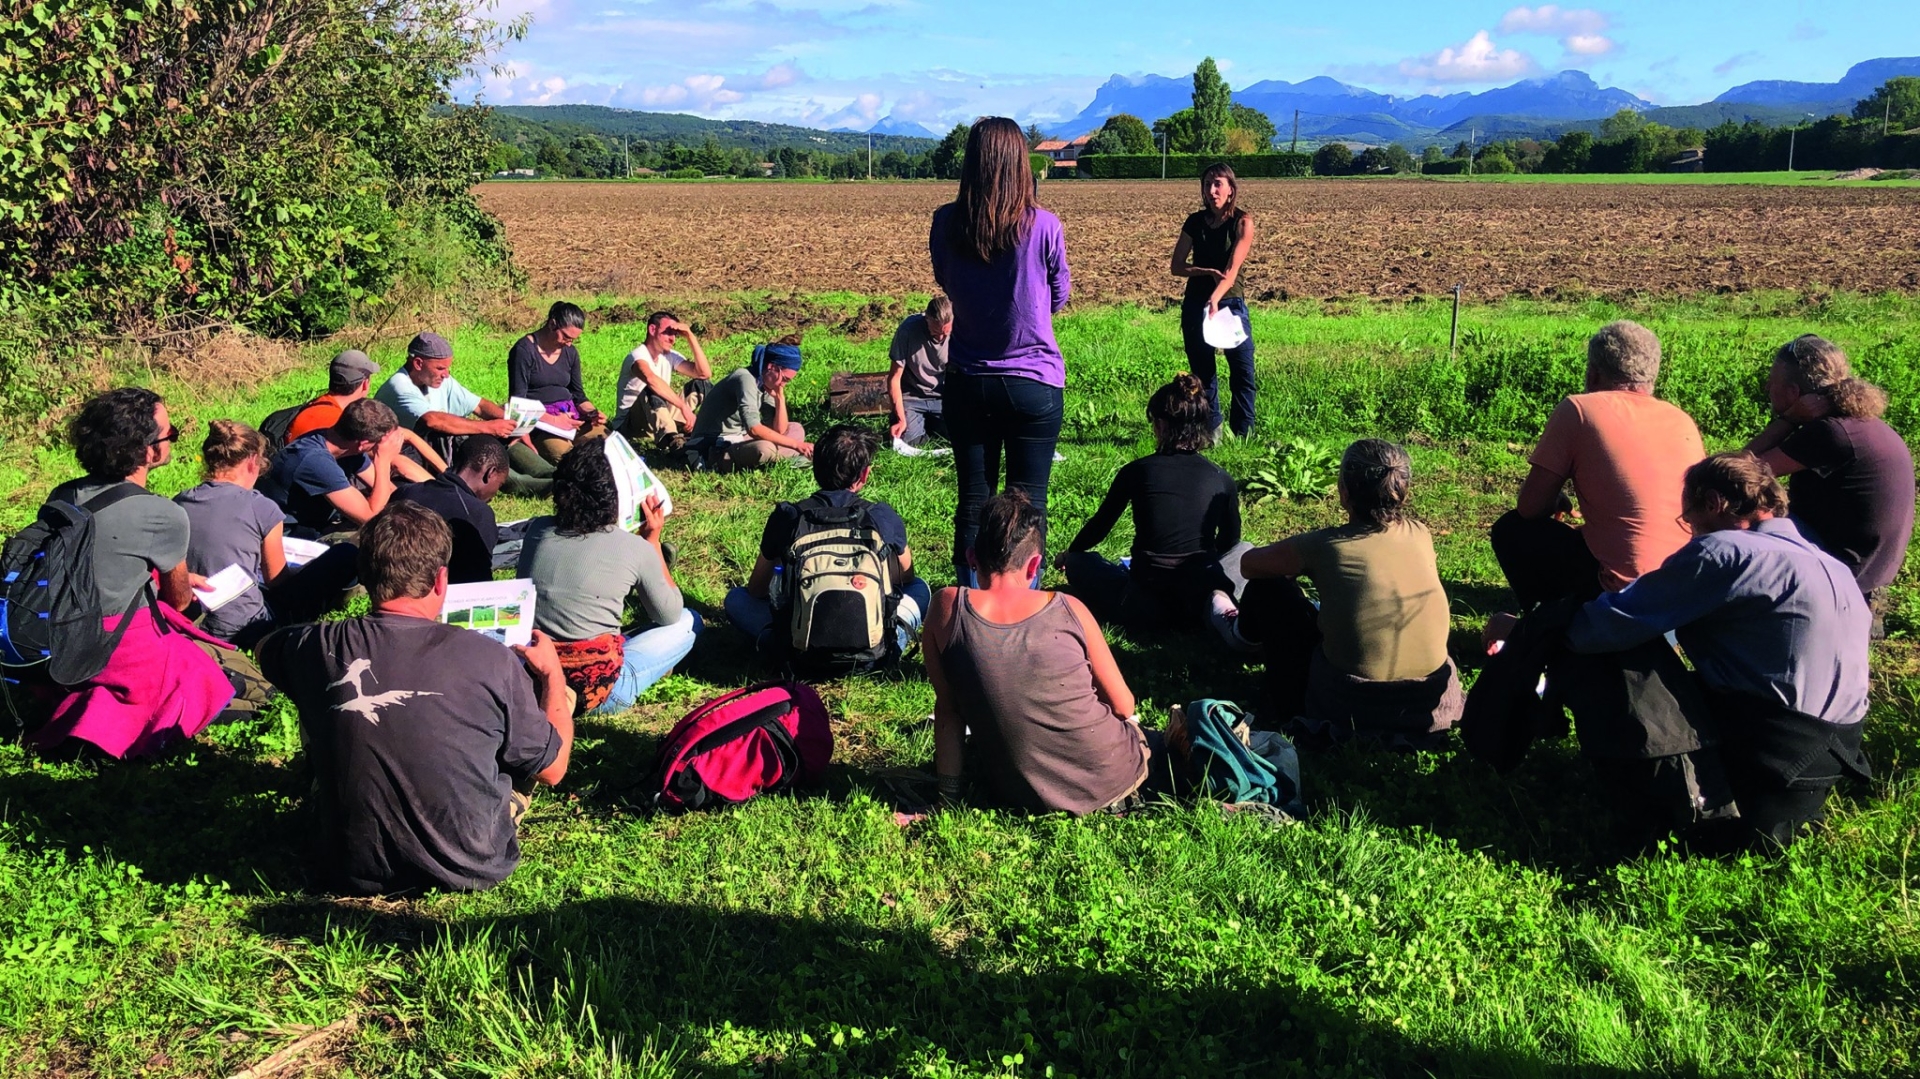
632 384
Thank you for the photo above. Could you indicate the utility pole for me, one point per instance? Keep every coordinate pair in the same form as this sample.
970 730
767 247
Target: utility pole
1473 139
1791 136
869 155
1295 148
1886 120
1163 155
626 154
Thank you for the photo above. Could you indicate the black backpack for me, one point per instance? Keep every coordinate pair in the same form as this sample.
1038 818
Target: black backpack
837 613
277 424
50 611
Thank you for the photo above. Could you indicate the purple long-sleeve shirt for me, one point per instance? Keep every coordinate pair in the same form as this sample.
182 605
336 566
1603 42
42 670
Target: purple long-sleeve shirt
1003 310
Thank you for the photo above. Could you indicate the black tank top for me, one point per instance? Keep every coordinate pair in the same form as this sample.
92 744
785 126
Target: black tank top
1212 249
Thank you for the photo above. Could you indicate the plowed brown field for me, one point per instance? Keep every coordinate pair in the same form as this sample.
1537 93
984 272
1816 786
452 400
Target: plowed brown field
1317 239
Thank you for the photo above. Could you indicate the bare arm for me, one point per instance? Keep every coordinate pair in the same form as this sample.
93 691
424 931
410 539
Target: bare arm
1241 248
760 582
360 508
1774 433
894 399
663 389
176 587
1280 559
446 423
949 745
1781 464
550 688
273 552
697 367
1107 681
434 461
1540 494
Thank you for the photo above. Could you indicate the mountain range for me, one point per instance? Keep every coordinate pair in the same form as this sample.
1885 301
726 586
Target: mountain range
1331 109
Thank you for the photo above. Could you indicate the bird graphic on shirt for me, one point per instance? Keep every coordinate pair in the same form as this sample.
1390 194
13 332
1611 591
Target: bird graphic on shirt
370 704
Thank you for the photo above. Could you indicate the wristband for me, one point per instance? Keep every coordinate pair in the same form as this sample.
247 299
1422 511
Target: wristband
950 787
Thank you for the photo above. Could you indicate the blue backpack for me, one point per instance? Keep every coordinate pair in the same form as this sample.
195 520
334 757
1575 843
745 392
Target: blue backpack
1221 764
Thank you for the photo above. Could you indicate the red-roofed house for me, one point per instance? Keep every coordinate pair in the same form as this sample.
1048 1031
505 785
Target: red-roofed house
1063 153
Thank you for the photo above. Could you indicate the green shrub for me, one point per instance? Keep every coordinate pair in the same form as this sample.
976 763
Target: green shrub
1148 166
1040 164
1453 166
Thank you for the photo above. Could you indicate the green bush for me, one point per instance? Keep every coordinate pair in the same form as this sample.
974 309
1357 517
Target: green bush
1147 166
1040 164
1453 166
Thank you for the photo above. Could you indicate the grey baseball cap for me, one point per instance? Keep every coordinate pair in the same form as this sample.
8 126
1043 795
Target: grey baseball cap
430 346
352 367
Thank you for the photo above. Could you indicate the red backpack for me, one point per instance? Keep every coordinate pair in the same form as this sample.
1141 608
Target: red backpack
769 737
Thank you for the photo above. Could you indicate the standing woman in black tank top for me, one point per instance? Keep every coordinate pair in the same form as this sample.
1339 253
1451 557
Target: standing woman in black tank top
1213 245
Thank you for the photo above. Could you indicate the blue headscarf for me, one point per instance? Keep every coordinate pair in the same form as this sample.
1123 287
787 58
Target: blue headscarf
787 356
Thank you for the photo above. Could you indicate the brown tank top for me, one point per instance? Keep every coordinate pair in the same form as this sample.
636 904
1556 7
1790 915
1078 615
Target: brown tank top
1042 739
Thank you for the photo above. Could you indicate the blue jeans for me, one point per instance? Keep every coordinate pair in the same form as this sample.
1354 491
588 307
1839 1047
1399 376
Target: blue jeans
988 415
1239 362
754 617
651 656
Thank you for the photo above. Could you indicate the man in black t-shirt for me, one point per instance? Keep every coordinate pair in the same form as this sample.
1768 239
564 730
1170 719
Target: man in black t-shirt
424 737
842 464
1850 481
460 497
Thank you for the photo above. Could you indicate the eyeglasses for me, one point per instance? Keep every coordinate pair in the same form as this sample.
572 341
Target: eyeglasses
170 434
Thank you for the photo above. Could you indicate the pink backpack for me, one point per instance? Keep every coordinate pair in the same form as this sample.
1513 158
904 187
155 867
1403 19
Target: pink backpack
769 737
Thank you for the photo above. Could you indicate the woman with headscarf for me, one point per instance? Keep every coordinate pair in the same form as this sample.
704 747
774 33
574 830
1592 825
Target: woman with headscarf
743 423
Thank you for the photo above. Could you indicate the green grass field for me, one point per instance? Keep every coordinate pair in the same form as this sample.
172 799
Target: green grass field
1426 918
1782 178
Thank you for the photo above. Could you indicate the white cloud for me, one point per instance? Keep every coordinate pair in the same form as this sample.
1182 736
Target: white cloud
1737 60
696 93
780 75
861 112
1582 31
1478 60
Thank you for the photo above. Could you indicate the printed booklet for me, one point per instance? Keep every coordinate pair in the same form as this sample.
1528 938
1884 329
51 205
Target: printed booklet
635 482
502 610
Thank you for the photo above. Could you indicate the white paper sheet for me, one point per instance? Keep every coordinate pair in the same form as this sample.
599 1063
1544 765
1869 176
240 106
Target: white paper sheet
502 610
300 552
525 413
1223 329
224 587
634 481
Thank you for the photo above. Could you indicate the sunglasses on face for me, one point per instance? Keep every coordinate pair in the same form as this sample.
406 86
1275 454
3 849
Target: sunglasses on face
170 434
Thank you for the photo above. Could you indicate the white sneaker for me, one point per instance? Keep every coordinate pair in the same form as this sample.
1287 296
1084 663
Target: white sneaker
907 611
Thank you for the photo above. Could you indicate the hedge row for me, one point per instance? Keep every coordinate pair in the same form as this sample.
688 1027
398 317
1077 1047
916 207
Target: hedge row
1147 166
1453 166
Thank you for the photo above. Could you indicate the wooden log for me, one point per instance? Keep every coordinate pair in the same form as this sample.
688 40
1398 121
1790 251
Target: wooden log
856 393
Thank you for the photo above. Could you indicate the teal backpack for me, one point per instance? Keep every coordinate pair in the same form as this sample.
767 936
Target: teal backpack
1222 764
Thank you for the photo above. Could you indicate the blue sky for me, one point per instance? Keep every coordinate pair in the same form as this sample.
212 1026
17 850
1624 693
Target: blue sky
851 62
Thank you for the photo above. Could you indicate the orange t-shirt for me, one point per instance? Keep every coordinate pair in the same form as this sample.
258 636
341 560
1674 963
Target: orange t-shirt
1626 454
323 413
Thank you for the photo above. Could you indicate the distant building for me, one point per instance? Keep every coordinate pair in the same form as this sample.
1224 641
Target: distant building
1063 152
1694 160
509 174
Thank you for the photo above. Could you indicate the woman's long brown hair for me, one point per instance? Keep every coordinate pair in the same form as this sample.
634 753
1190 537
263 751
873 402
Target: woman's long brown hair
996 202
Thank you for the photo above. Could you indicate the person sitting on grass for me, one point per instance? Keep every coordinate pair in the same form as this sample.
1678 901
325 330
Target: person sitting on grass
1624 451
312 478
544 366
650 411
461 497
234 525
157 687
733 430
350 378
424 739
1372 659
1186 520
1029 706
434 405
842 465
1850 475
584 566
1776 632
918 355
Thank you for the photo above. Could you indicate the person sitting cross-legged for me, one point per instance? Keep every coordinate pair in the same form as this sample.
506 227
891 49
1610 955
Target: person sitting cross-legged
1776 632
1624 451
842 465
312 478
1849 474
1372 659
544 366
350 378
584 566
651 411
425 739
433 404
734 429
157 686
1186 525
1030 710
461 497
235 525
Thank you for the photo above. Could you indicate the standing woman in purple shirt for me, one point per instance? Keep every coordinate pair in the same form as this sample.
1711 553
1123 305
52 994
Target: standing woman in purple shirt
1002 260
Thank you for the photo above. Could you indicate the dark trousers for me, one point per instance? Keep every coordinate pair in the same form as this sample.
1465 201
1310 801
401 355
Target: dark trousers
1544 559
1276 615
1145 599
1239 362
305 594
991 417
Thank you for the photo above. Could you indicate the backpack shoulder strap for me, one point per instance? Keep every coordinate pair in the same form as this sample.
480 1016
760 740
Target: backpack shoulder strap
113 496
